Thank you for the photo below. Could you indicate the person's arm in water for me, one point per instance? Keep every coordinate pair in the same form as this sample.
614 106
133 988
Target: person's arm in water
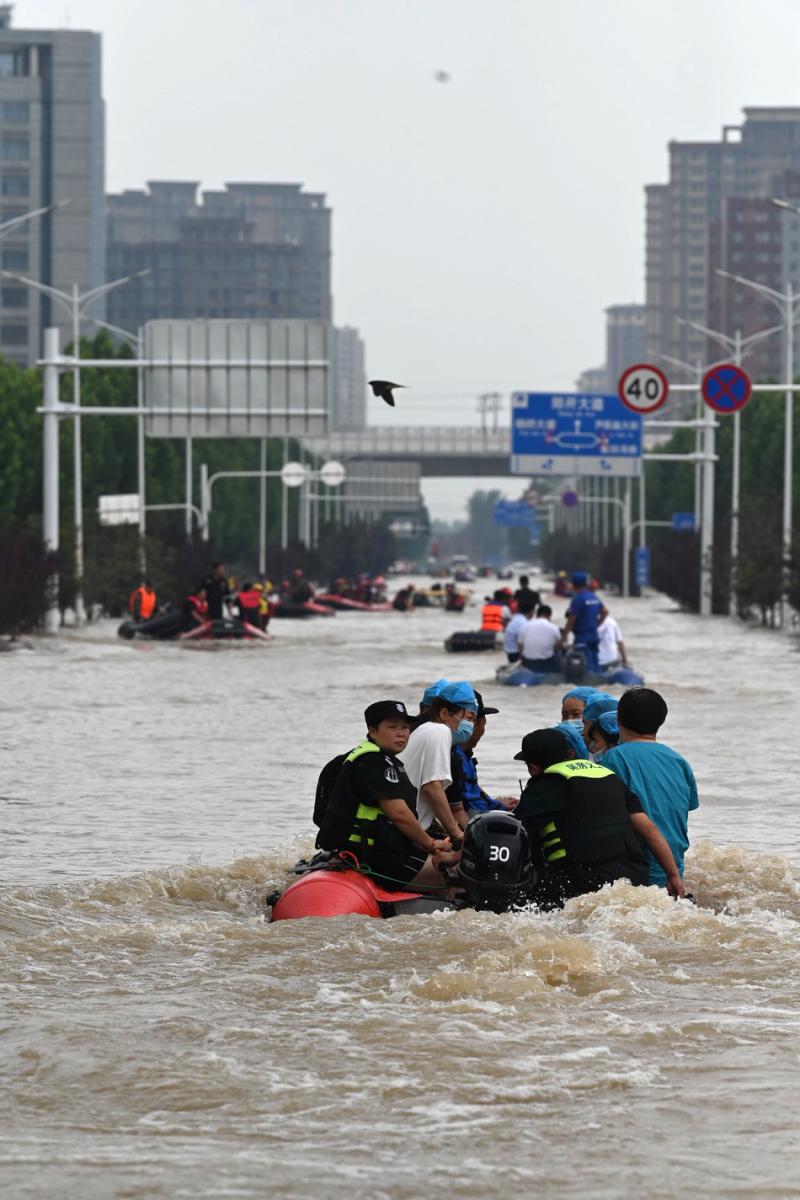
436 796
623 656
398 812
659 846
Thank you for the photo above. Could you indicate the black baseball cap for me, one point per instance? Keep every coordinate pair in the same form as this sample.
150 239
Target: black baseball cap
382 710
482 710
544 747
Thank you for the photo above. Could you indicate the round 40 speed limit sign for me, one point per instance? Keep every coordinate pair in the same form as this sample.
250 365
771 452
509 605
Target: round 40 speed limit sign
643 388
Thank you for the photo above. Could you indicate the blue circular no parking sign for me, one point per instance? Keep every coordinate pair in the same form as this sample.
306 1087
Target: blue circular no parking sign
726 388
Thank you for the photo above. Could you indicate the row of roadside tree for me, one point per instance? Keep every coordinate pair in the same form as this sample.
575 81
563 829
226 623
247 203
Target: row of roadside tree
112 554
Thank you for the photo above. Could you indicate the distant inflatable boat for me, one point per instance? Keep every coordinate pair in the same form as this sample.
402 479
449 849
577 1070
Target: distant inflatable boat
169 627
515 675
346 604
301 608
471 641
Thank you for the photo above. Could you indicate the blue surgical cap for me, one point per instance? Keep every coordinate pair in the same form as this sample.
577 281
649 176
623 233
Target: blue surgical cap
573 737
434 690
598 704
460 695
579 693
580 578
608 723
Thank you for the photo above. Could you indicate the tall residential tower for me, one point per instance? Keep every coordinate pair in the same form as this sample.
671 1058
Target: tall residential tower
51 149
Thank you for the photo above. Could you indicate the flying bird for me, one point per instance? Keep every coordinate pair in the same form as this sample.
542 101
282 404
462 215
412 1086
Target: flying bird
441 76
383 388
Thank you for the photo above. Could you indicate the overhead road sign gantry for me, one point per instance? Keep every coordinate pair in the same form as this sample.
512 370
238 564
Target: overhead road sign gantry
726 388
562 433
643 388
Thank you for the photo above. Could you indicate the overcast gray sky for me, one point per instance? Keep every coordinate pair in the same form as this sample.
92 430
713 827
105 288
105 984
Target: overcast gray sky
480 226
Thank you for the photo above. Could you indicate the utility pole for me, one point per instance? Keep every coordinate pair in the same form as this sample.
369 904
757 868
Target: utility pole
490 402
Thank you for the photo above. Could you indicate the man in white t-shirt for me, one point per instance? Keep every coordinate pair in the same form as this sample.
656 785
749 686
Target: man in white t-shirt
449 721
611 650
513 631
539 640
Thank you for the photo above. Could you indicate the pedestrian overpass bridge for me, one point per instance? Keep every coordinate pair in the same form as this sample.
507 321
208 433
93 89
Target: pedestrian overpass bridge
439 449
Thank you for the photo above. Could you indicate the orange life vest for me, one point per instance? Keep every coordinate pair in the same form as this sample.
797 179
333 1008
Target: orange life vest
250 599
147 602
492 618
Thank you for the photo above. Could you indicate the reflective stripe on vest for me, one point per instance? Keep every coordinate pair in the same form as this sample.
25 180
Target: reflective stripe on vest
365 813
552 846
578 768
492 618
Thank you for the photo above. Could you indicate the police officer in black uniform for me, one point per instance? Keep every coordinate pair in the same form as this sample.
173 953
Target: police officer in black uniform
584 825
370 808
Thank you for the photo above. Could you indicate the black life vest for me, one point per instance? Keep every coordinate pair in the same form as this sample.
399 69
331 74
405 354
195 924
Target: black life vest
350 818
594 827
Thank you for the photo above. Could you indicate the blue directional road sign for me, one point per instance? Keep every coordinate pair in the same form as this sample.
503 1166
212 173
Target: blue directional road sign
683 522
514 513
574 434
641 569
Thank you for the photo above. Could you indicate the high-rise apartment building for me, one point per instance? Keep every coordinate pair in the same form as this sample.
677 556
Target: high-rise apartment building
51 149
348 382
252 250
626 339
715 213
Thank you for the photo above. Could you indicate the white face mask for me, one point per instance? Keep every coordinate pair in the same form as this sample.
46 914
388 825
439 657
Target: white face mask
575 722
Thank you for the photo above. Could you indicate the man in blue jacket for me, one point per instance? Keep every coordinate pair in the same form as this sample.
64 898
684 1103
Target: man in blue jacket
465 791
586 611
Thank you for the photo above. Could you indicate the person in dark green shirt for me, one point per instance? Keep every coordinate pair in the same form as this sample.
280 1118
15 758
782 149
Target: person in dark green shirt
584 825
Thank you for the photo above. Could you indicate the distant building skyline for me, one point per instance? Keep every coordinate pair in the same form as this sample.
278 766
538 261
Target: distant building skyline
52 148
247 251
715 212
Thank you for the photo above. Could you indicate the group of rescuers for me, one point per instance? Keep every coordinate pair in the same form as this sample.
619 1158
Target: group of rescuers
604 799
531 637
216 597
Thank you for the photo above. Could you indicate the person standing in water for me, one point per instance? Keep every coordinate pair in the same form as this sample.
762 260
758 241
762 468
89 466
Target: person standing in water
660 777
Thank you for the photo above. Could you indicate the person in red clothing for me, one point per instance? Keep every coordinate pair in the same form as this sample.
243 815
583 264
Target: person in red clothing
248 604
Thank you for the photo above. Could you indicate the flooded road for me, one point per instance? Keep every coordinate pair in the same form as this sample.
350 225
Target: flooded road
158 1039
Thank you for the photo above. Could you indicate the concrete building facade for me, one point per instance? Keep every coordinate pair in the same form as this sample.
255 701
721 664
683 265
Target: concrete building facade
51 149
250 251
713 213
626 339
348 382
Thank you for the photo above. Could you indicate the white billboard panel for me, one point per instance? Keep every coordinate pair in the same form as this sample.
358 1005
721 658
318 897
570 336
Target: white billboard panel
230 378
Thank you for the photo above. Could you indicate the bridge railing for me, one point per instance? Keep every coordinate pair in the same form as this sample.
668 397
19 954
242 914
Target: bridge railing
419 441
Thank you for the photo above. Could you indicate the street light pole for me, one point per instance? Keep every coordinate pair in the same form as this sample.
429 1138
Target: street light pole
787 304
741 347
136 341
76 303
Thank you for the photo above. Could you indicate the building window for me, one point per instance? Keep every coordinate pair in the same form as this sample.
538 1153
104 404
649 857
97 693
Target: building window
14 297
15 335
16 149
15 260
15 112
15 185
14 62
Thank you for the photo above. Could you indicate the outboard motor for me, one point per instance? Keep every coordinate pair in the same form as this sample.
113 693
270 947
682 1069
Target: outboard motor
496 870
574 665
